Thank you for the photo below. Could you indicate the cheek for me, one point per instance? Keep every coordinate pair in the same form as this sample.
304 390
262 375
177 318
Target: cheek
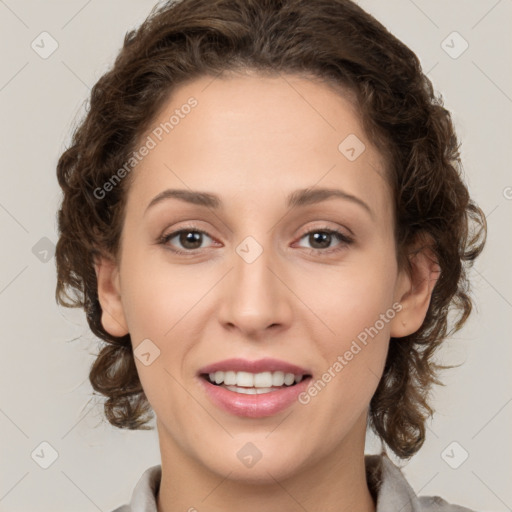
351 297
162 303
157 296
356 303
353 361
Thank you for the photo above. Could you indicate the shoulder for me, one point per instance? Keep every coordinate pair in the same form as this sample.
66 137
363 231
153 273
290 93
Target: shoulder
391 490
144 495
437 504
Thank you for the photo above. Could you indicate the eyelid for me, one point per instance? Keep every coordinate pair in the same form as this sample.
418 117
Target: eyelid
164 238
345 239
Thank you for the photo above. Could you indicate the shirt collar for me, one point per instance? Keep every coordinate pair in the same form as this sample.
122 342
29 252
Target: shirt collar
388 485
386 482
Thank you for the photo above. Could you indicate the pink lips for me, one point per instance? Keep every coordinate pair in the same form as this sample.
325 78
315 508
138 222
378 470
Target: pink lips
261 365
254 406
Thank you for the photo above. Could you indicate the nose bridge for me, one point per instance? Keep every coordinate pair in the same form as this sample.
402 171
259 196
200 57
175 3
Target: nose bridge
254 298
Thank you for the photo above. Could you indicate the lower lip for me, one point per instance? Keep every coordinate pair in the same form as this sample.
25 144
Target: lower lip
254 406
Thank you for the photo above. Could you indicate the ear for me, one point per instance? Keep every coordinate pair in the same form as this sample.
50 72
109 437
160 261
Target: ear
109 296
414 289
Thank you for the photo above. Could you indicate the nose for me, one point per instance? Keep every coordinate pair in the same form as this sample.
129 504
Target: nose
255 294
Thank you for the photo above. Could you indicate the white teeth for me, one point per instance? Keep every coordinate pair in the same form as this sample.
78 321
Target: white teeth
277 379
250 391
245 379
229 378
289 379
262 380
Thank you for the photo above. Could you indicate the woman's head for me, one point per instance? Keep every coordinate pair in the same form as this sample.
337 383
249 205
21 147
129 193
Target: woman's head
252 102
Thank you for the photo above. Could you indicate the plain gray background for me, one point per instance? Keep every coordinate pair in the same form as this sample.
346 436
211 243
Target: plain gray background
47 350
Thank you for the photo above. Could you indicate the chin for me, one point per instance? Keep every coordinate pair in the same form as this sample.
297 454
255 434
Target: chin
253 459
264 472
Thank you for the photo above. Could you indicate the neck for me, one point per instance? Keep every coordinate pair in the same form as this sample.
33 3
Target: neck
335 482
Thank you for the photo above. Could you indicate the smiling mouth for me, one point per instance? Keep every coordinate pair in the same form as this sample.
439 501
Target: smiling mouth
254 383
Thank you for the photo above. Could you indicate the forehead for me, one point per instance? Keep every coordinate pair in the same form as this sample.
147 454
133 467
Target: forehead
251 135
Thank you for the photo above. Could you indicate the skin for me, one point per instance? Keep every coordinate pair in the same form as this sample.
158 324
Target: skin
252 140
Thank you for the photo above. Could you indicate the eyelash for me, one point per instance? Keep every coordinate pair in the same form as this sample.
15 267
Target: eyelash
346 240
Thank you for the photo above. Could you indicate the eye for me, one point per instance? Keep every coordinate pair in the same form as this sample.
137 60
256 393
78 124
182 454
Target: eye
189 238
323 237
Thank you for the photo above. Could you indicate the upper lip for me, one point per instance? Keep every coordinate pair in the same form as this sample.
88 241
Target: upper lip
258 366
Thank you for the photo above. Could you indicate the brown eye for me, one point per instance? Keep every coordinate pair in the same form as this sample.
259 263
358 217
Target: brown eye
189 240
321 240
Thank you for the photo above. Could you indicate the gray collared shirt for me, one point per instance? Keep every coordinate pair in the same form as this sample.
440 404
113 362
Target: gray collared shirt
390 489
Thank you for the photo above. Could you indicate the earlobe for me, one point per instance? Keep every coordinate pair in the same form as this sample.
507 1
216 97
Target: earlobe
109 296
414 292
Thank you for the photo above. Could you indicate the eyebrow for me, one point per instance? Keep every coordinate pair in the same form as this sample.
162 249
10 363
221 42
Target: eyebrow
296 199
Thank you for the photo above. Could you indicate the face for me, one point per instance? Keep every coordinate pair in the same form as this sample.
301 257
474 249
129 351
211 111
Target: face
265 269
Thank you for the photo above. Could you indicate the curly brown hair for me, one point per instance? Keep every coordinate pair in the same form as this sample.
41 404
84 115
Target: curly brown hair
338 42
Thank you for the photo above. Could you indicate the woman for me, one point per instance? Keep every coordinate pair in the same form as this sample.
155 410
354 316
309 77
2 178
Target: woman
227 137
